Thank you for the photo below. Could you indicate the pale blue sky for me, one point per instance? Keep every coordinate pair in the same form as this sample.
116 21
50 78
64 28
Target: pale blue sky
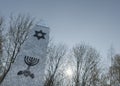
96 22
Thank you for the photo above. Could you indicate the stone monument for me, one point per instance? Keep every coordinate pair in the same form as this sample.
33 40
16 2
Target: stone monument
28 68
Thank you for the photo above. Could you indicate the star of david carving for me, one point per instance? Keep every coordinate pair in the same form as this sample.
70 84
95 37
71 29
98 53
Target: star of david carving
39 34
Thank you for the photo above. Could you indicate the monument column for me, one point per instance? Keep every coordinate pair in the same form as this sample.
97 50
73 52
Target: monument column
28 68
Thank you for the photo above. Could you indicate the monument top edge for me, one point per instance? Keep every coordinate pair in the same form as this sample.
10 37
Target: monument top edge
41 26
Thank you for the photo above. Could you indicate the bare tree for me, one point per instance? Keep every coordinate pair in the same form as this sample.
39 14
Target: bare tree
86 59
104 80
53 71
114 72
17 34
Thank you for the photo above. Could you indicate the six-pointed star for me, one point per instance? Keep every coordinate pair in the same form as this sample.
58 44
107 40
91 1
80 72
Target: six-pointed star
40 34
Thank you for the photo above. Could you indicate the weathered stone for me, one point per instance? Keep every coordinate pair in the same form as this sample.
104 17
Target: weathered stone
35 46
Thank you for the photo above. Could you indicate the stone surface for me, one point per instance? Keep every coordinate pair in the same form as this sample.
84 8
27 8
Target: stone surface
35 46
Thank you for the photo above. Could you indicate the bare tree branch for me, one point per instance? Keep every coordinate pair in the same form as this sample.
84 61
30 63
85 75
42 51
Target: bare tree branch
114 72
86 65
55 55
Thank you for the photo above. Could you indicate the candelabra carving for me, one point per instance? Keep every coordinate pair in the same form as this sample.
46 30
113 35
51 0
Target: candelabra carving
30 61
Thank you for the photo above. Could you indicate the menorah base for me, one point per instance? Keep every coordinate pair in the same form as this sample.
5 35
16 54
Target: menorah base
26 73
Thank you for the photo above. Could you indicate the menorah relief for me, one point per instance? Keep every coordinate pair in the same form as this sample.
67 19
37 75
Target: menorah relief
30 61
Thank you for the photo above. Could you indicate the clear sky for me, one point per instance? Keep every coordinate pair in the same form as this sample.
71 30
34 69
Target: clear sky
96 22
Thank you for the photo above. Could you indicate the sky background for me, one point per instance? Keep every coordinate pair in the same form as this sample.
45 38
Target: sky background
95 22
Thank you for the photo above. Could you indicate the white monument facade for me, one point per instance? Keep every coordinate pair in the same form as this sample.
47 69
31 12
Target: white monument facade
28 68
